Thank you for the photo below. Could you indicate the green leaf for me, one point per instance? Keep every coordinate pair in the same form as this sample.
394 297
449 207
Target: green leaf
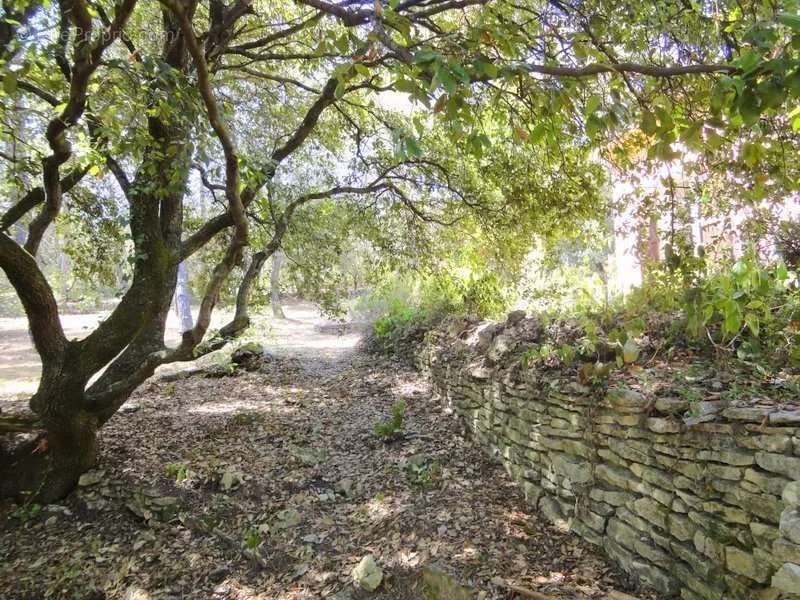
748 61
426 55
692 135
750 154
343 43
732 323
665 120
484 68
649 124
593 103
442 77
713 139
753 323
458 71
412 148
749 107
594 126
406 85
538 133
790 20
772 93
636 327
10 83
630 351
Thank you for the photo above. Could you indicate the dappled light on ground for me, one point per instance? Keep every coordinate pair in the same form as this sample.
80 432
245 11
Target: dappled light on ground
271 484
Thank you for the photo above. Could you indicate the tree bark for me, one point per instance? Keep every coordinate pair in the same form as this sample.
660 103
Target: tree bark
241 318
46 468
183 303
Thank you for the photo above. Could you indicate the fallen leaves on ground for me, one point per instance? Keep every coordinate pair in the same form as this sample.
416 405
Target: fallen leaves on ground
271 484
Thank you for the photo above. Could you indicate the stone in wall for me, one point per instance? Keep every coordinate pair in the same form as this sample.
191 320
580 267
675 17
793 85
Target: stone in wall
695 500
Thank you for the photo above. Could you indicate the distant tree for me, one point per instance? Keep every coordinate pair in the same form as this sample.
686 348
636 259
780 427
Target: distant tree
275 284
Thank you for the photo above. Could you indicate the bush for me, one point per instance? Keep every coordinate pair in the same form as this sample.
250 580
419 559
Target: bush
402 329
750 308
409 307
392 428
745 312
744 308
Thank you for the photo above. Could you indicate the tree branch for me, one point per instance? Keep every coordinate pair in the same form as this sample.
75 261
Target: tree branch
36 196
87 60
37 299
274 37
212 227
236 209
627 67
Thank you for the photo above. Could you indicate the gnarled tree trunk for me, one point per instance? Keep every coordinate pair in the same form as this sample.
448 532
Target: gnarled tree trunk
47 467
61 433
241 318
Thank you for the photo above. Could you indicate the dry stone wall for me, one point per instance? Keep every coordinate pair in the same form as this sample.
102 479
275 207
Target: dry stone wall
708 509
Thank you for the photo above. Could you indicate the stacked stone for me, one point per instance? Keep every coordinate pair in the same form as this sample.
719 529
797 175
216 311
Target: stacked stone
703 508
787 546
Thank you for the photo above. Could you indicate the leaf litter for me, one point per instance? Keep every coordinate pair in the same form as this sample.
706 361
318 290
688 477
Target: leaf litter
272 484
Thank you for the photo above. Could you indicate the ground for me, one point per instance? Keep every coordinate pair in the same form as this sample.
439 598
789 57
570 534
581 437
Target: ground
19 371
272 484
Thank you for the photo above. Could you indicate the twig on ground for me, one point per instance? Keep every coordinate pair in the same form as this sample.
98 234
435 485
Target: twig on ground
526 592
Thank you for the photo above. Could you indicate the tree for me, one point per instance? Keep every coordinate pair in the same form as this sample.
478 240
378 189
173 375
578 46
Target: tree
147 93
274 284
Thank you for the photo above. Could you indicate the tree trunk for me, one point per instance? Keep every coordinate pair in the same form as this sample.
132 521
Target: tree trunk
183 303
274 282
241 319
47 467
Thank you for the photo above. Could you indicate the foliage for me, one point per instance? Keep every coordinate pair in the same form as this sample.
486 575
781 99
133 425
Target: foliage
394 426
422 472
388 326
746 310
788 243
26 512
569 273
749 307
252 539
481 294
408 307
179 472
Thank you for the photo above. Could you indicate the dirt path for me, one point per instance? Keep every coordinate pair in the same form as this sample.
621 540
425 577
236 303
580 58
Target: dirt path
271 484
303 333
20 368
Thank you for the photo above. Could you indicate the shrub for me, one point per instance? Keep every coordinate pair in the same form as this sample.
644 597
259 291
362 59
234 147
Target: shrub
422 472
393 427
745 308
788 243
750 308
